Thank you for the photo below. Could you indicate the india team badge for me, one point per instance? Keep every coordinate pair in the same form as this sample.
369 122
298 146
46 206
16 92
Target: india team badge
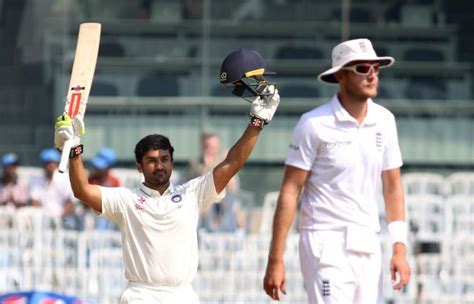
176 198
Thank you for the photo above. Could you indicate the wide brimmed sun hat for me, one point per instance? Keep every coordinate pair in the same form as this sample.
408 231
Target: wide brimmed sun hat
350 51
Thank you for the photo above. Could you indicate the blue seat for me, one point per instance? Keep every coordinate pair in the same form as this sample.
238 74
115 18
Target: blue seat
298 91
100 88
111 49
298 52
158 85
426 88
423 54
356 14
221 91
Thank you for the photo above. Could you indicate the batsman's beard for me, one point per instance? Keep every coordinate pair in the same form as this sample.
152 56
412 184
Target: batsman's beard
160 178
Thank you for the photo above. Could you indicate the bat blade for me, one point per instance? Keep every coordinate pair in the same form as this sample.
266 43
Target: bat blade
82 74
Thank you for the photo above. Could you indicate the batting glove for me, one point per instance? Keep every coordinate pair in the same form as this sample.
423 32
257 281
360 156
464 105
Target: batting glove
264 107
68 129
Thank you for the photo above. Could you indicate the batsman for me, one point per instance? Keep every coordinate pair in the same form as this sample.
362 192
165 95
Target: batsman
158 220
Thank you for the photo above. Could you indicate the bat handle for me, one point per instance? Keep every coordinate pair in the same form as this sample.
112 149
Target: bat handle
65 156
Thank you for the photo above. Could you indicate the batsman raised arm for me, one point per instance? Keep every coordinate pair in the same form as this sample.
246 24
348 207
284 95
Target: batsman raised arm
158 220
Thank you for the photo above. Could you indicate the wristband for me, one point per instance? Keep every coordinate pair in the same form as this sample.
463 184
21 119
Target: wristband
76 151
257 122
398 231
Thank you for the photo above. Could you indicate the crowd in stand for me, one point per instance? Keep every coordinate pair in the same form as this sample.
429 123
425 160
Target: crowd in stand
51 190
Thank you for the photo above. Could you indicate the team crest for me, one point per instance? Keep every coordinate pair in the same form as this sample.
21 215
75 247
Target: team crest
378 141
176 198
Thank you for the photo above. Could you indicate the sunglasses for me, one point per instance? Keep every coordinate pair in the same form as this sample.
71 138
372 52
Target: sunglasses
363 69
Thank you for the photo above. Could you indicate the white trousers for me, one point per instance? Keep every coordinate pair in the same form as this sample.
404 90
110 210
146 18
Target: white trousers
335 271
138 293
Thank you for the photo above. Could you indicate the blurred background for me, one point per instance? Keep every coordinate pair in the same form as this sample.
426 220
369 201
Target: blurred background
158 72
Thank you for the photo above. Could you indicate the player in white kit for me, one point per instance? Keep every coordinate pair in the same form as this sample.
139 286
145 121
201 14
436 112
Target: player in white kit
158 220
338 155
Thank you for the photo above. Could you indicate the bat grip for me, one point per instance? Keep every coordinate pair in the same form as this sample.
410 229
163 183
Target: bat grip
65 156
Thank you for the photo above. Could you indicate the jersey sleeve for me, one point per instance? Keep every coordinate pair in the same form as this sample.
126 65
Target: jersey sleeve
302 150
114 201
206 191
392 157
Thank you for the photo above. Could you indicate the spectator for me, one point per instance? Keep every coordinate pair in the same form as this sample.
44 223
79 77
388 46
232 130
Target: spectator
101 165
12 191
227 215
52 189
211 155
101 175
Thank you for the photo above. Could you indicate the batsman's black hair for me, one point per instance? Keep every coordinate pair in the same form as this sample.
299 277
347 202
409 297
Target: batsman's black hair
152 141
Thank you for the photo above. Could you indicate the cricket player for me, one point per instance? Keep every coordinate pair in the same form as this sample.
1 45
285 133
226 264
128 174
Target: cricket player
338 155
158 220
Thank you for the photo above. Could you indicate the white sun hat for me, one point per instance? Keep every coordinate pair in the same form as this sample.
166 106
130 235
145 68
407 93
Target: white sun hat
349 51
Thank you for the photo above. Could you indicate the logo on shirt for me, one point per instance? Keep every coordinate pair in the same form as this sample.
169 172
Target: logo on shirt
176 198
140 204
378 141
326 288
334 144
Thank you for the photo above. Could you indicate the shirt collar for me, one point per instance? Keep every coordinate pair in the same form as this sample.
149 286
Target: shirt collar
342 115
153 193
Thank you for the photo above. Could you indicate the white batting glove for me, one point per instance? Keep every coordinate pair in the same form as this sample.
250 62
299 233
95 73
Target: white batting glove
66 129
264 107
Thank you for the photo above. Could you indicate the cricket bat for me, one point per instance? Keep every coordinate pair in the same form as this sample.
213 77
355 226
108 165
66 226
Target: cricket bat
85 59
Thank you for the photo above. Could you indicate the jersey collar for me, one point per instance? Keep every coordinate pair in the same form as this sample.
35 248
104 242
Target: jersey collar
153 193
342 115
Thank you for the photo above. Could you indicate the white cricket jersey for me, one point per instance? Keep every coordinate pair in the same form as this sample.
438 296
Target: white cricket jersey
345 160
159 232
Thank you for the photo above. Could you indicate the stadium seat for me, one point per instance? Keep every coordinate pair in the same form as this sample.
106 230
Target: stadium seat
356 15
96 241
428 216
106 274
462 214
429 269
158 85
426 88
111 49
7 217
268 209
221 91
298 91
101 88
423 54
423 183
31 219
298 52
460 183
417 14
